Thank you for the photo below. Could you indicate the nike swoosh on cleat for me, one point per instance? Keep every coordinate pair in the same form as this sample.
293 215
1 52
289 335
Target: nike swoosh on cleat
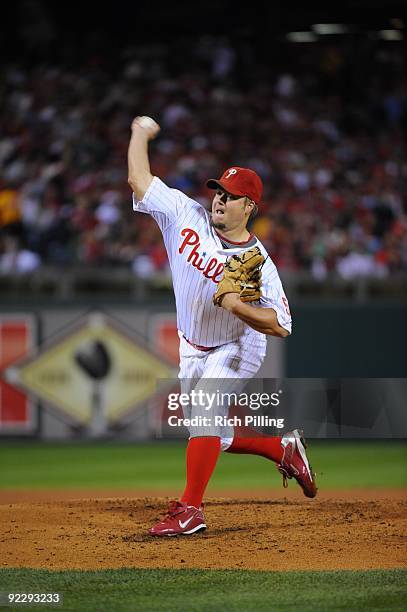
183 525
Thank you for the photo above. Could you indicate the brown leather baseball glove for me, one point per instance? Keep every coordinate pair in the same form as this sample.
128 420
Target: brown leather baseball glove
242 275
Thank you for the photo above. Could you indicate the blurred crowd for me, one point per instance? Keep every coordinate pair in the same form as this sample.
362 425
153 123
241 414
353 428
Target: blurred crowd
326 132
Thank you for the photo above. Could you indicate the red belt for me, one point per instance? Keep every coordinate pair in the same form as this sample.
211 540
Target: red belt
198 347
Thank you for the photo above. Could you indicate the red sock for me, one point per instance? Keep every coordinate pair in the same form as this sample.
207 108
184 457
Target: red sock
266 446
202 455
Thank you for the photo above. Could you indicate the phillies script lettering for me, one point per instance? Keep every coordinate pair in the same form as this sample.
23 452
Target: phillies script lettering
213 269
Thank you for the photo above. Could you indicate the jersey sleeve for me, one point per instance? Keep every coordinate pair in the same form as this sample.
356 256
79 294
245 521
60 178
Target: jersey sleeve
164 204
273 295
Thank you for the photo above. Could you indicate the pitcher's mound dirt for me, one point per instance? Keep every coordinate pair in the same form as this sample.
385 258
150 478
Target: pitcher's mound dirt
260 534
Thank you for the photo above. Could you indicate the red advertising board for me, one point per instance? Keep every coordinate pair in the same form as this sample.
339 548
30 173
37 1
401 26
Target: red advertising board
17 339
164 336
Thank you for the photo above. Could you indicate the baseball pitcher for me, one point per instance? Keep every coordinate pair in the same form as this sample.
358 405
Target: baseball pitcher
229 297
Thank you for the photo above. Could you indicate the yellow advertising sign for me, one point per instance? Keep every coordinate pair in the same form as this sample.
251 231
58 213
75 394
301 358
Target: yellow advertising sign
94 373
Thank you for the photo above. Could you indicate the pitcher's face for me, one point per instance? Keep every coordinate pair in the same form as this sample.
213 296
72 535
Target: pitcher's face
230 211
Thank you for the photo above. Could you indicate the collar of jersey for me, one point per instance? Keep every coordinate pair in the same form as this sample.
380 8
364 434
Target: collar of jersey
227 241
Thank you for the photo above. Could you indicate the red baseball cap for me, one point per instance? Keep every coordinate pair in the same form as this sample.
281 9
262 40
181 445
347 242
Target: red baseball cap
239 182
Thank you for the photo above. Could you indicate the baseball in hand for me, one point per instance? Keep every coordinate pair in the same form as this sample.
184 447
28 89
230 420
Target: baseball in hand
147 122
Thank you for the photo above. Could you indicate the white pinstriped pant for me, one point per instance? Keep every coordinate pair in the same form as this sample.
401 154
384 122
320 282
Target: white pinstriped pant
224 369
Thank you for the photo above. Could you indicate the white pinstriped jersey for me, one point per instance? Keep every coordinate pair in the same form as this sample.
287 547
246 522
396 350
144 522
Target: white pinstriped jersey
196 256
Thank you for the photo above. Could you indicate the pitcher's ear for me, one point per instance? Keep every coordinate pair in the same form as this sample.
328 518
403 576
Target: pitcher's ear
252 203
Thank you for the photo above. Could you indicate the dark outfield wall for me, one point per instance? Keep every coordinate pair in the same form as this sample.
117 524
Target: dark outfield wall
348 341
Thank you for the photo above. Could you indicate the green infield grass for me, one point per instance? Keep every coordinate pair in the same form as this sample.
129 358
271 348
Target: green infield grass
155 466
214 590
